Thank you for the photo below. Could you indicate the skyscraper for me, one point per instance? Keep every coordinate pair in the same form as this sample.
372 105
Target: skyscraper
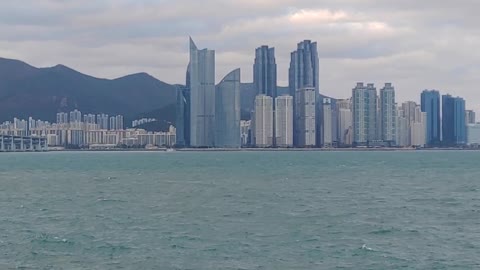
102 121
265 71
119 123
304 73
418 128
388 113
62 118
431 106
263 121
201 82
364 99
113 123
284 121
305 117
228 111
409 108
403 132
75 116
183 116
344 119
453 121
470 117
327 123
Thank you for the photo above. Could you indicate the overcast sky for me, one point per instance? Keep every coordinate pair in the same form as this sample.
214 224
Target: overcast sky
413 44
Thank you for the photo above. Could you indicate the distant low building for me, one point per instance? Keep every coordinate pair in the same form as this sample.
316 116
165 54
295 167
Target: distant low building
473 134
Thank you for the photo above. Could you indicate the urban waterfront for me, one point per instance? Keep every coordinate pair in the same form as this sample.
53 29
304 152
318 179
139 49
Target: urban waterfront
240 210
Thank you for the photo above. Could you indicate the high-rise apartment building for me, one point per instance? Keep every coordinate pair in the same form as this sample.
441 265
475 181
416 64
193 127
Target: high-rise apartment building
201 82
305 117
388 113
327 127
62 118
263 121
102 121
228 111
409 108
453 121
364 100
418 128
265 71
473 134
403 131
284 121
470 117
344 120
75 116
431 105
112 123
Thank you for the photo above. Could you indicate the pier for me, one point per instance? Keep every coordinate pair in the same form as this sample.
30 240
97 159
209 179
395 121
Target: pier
22 144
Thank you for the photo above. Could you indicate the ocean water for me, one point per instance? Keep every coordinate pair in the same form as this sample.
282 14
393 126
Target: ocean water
240 210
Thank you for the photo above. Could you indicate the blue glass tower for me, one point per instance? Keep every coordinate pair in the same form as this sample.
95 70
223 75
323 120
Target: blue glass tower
453 121
431 106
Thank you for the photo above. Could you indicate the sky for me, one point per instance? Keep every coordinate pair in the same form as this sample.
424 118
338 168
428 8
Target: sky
416 45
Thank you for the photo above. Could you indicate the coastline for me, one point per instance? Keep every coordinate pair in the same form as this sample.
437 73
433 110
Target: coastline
266 150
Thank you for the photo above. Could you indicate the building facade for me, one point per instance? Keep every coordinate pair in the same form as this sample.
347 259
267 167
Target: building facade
430 102
228 111
265 71
304 73
364 101
453 121
327 124
388 114
470 117
305 117
201 82
473 134
284 121
263 121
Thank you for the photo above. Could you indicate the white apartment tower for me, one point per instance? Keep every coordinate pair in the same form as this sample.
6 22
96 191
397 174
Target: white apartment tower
305 117
327 123
284 121
263 121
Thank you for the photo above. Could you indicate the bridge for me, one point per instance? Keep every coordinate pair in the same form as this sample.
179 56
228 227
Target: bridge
22 144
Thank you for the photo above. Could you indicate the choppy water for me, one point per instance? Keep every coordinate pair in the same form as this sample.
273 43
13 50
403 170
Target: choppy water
248 210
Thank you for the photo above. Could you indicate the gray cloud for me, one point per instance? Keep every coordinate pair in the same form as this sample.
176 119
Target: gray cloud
414 44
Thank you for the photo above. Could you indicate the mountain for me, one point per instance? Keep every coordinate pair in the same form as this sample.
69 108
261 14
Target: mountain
42 92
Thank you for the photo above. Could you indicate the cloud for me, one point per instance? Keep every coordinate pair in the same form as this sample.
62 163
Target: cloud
414 44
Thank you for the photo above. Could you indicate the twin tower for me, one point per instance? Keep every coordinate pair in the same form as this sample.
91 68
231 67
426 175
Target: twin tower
208 115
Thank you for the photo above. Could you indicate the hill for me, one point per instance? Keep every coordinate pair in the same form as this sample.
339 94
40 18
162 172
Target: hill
42 92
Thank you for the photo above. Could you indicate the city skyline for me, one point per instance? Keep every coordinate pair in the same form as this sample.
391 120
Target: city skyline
400 31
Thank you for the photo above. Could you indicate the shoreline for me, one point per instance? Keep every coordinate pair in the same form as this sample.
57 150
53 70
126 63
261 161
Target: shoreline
266 150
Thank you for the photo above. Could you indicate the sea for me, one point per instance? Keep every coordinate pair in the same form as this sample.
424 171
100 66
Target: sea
240 210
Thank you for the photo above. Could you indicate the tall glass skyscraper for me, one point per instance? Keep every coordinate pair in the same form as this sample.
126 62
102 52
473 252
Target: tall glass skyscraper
228 111
201 82
388 113
431 106
303 73
364 100
453 121
265 71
